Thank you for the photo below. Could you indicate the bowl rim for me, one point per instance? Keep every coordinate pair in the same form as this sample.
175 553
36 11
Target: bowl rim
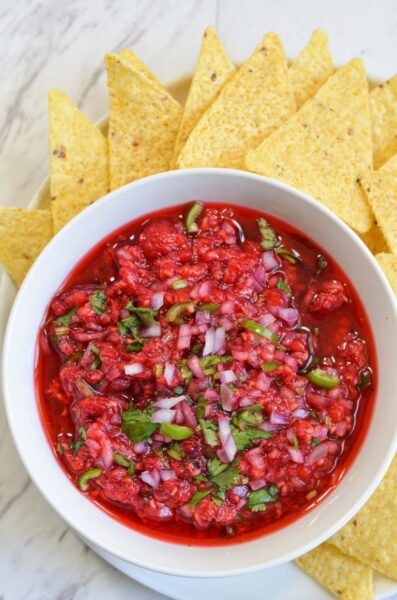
38 480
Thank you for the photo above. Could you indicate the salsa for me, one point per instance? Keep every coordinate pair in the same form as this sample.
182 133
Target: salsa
206 374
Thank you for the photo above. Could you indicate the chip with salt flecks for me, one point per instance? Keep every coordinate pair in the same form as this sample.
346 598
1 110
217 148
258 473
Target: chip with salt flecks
131 58
326 146
252 104
23 235
374 239
78 160
371 535
312 67
381 190
346 577
388 263
143 122
390 166
213 69
383 106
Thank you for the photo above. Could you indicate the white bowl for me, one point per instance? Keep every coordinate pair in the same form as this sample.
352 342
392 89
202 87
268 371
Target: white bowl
50 270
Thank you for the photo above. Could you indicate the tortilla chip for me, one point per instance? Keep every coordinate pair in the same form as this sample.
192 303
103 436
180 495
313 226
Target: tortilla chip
143 122
312 67
325 147
23 235
344 576
131 58
381 190
213 69
371 536
252 104
78 160
383 106
390 166
388 263
374 240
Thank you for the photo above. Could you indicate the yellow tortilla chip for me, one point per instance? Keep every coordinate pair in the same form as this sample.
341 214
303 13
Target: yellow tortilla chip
143 122
388 262
131 58
312 67
374 239
371 536
23 235
213 69
390 166
324 148
252 104
78 160
344 576
381 190
383 106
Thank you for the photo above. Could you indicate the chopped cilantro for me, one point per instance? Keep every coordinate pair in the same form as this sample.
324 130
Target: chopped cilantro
200 478
244 439
228 477
66 319
98 302
179 390
259 499
212 360
201 407
315 441
269 237
198 496
291 258
146 315
210 432
281 285
176 451
130 325
137 424
133 347
216 466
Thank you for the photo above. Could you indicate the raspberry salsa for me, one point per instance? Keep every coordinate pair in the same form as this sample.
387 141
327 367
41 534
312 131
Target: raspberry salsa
206 374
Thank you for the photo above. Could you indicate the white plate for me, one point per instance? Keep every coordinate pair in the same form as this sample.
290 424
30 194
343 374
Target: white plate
286 581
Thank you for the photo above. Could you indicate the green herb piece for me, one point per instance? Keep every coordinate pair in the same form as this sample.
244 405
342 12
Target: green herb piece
269 367
216 466
245 438
61 330
133 347
322 379
295 441
260 330
227 478
75 446
179 390
322 264
193 213
180 284
84 389
365 379
259 499
176 451
96 363
175 432
314 415
250 415
210 432
130 325
121 460
269 237
200 478
98 302
315 441
66 319
210 307
211 360
201 404
145 315
85 478
291 258
281 285
137 424
185 371
158 370
199 496
273 490
219 497
175 312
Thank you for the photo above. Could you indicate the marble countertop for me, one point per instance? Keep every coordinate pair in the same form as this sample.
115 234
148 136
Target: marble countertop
49 44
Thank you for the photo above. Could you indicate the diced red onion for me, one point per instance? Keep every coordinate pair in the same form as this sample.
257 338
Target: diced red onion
169 402
157 300
291 362
333 446
141 447
203 317
226 323
270 427
179 418
262 382
186 513
227 441
188 415
211 395
260 276
246 402
300 413
266 320
167 474
209 342
92 444
204 289
241 491
318 453
255 458
227 307
107 457
169 372
288 315
257 484
270 260
296 455
277 418
227 398
320 432
151 331
163 415
184 337
133 369
240 355
152 478
195 367
227 376
219 342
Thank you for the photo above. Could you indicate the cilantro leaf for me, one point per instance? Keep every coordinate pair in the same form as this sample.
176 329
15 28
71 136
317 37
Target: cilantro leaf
210 432
244 438
216 466
259 498
227 478
98 302
176 451
269 237
201 407
146 315
281 285
137 424
65 319
315 441
130 325
198 496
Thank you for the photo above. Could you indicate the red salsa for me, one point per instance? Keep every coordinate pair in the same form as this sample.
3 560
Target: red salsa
206 374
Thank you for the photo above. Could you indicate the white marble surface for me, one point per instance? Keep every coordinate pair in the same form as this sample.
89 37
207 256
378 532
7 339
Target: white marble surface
50 43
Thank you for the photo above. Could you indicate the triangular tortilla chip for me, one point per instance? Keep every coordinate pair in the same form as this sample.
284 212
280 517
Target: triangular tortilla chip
131 58
78 160
344 576
388 262
23 235
252 104
374 239
390 166
143 122
383 106
371 535
213 69
381 190
324 148
312 67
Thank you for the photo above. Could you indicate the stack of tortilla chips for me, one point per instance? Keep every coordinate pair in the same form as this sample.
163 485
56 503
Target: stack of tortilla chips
319 130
